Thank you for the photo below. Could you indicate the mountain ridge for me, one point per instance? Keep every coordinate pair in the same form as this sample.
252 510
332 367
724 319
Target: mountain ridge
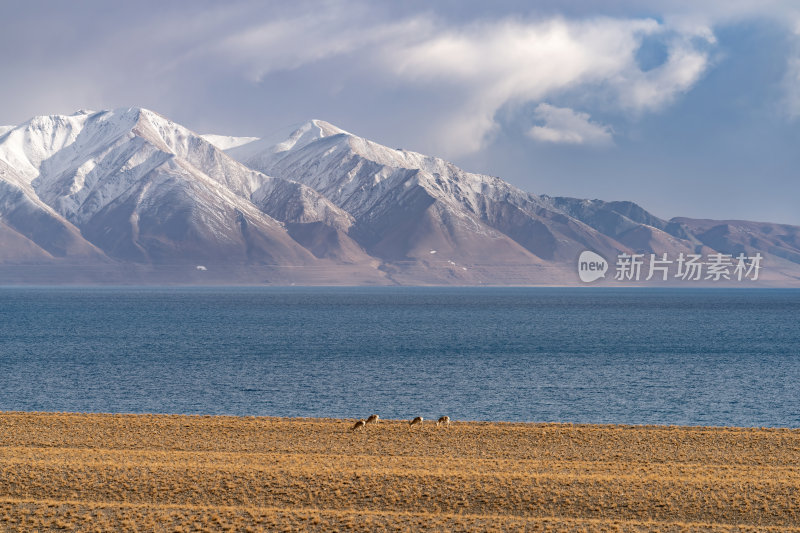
132 193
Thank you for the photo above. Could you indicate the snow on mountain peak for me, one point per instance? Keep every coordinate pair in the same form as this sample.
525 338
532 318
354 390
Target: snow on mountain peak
52 144
81 163
28 145
355 172
226 142
326 129
264 151
311 131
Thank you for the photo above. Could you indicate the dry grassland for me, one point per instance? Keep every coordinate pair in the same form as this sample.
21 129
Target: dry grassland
188 473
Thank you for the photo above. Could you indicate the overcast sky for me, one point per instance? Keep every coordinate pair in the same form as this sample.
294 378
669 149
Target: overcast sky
686 110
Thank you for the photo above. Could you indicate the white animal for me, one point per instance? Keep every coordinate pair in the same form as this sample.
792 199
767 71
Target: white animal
443 420
373 419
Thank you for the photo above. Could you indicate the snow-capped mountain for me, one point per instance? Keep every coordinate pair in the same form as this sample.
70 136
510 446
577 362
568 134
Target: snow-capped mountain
130 186
129 195
407 204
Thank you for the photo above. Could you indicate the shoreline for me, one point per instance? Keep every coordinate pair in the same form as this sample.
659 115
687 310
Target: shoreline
267 418
167 472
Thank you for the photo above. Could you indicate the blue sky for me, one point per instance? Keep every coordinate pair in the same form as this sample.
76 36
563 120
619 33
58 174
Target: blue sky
687 110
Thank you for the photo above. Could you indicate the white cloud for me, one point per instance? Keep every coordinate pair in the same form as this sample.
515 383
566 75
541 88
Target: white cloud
564 125
494 64
654 89
296 41
484 64
462 69
480 66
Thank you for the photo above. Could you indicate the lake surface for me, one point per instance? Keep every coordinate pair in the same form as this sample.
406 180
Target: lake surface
641 356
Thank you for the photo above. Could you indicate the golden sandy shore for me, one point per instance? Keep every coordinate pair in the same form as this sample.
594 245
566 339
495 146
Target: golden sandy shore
187 473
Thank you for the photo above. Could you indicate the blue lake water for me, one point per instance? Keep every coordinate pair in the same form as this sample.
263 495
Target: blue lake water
641 356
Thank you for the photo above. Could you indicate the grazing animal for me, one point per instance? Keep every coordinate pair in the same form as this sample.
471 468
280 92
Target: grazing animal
443 420
417 420
373 419
358 425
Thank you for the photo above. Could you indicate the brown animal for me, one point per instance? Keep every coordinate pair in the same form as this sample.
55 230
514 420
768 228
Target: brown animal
417 420
443 420
358 425
373 419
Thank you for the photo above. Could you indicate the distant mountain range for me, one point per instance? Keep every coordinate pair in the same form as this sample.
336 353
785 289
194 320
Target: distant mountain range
128 196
